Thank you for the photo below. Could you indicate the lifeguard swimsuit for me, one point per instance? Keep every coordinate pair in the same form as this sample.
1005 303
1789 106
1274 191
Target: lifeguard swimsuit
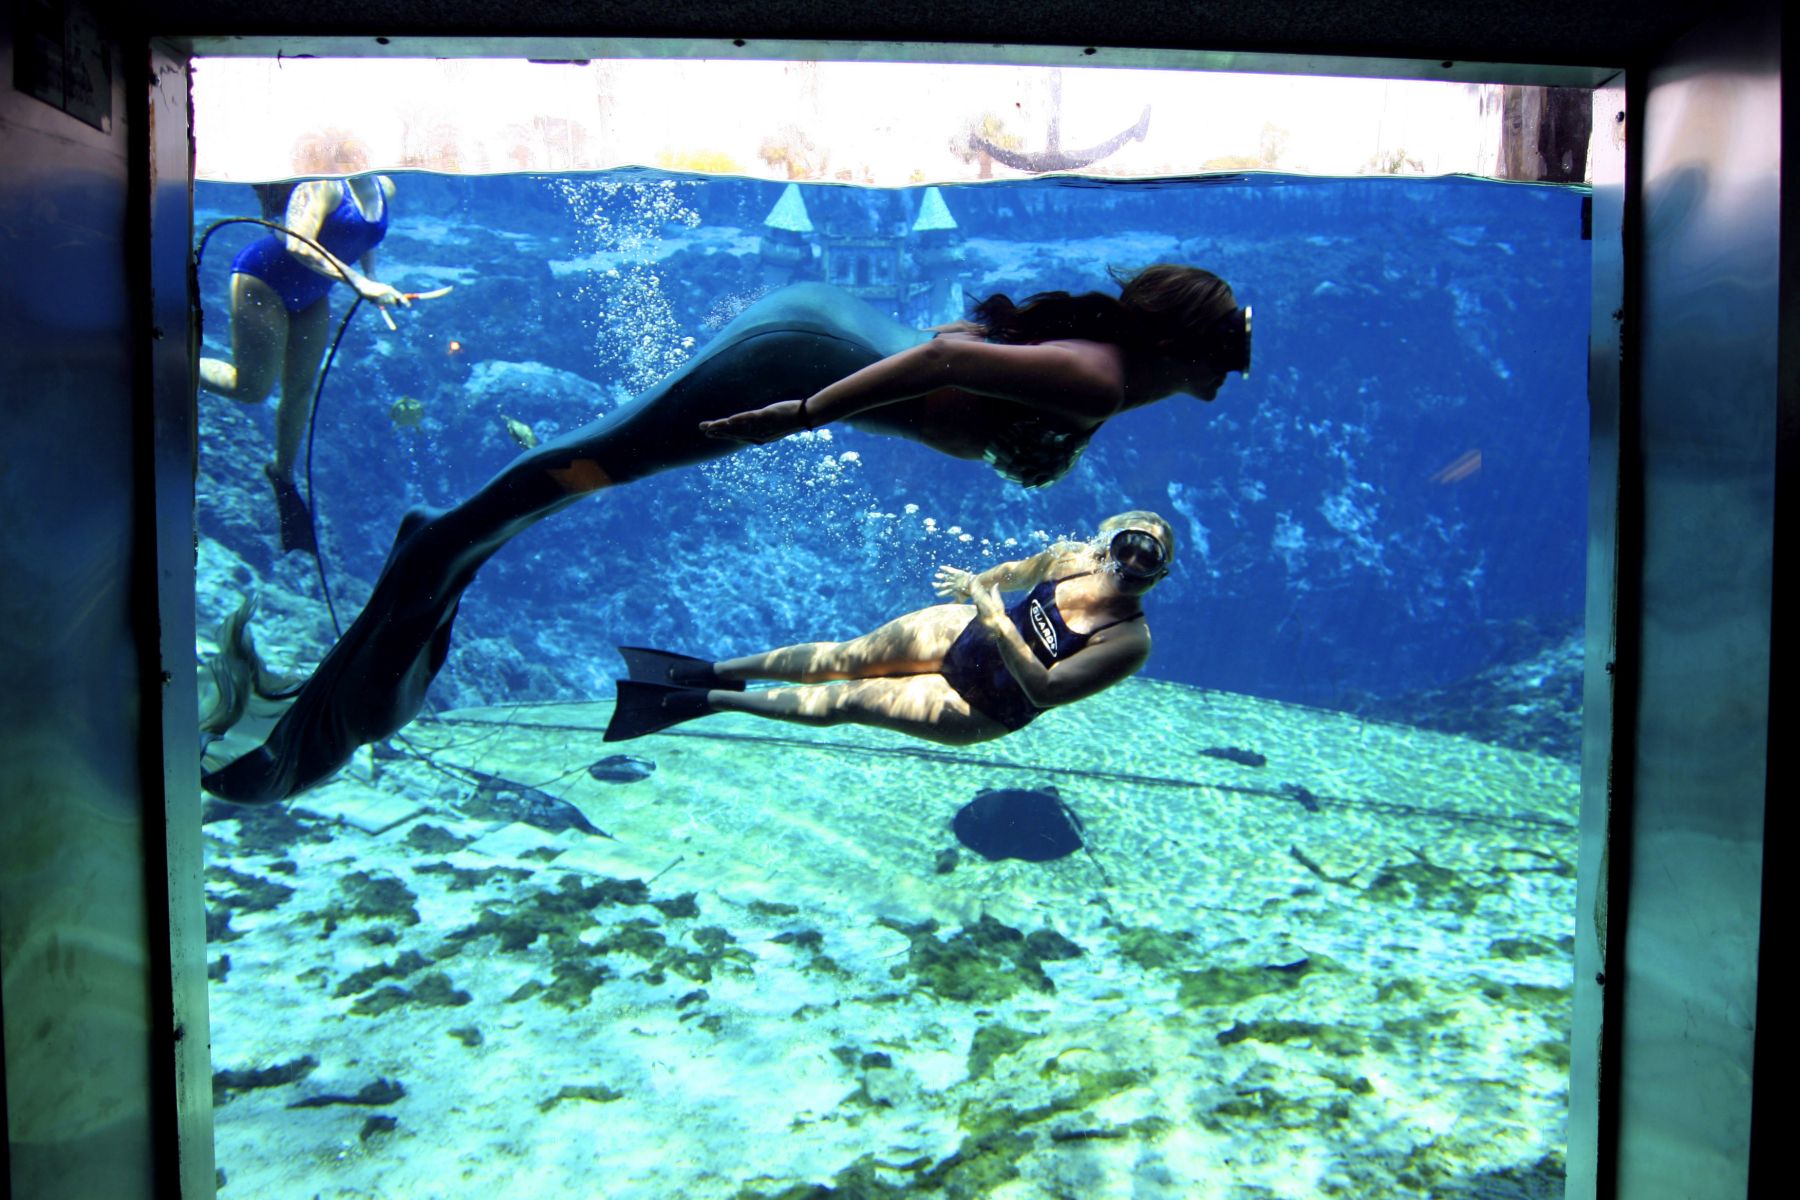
345 232
974 668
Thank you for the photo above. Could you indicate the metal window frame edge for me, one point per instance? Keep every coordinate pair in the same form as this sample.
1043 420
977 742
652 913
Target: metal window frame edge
170 440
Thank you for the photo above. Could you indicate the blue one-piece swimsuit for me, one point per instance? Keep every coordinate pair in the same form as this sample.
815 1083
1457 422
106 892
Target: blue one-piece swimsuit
345 232
975 670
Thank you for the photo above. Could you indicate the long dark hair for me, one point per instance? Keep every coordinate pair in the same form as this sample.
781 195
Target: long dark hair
1157 303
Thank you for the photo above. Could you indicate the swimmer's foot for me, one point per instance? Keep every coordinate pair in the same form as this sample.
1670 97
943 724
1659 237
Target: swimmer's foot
645 708
674 670
296 521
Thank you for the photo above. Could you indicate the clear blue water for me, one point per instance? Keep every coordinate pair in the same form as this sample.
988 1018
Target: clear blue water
1341 548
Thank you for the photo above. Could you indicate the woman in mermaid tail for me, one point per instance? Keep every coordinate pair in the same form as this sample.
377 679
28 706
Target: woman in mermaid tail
1022 387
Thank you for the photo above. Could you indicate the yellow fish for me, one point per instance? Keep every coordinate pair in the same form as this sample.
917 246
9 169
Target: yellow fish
406 412
521 432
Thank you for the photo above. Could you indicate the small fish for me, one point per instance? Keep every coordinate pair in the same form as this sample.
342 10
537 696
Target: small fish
622 768
1307 800
1462 468
521 432
406 412
1236 754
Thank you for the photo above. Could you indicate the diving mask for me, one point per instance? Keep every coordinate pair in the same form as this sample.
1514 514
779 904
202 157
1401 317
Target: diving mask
1137 555
1226 343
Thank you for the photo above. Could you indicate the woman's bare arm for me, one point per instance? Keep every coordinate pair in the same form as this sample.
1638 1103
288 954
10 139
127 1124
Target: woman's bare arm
1077 380
307 209
1115 655
954 583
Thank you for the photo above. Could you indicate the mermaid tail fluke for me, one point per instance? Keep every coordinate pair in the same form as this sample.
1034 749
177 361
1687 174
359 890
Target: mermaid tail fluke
370 686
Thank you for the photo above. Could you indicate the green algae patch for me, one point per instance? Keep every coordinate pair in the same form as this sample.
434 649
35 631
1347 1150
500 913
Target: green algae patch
979 1165
597 1093
361 981
1552 1053
226 1083
824 964
718 951
1219 987
638 937
682 907
467 879
1520 949
1091 1087
1332 1039
1152 949
766 908
993 1042
434 991
984 963
574 983
376 898
1426 885
468 1035
1529 996
253 894
560 916
433 839
1268 1106
801 940
1406 989
1358 1085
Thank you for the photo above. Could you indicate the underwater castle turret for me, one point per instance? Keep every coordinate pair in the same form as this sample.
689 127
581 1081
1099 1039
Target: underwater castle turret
883 269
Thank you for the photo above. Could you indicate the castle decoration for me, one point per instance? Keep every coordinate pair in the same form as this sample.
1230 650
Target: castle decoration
784 246
915 276
938 251
1053 157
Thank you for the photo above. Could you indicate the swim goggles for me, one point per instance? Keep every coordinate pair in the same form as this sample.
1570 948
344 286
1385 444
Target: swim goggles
1138 555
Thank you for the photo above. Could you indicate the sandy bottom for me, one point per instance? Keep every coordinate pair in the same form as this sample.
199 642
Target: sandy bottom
1343 972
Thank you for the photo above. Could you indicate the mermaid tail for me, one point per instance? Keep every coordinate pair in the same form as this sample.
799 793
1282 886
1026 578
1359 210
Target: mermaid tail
370 686
373 682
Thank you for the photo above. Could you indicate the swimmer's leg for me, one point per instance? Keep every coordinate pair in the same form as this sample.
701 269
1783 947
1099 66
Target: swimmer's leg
373 682
920 706
259 333
914 644
308 332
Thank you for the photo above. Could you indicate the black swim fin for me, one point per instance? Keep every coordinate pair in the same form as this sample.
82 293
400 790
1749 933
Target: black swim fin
644 708
674 670
296 520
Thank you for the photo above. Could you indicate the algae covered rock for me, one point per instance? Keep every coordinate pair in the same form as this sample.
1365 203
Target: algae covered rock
983 963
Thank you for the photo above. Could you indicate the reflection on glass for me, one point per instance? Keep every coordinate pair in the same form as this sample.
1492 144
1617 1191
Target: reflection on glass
1288 914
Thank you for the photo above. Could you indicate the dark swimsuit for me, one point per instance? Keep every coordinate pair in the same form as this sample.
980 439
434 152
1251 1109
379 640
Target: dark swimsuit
974 668
345 232
373 681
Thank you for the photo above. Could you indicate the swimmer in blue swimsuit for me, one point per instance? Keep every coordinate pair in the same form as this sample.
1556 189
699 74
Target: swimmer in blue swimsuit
280 317
948 674
1022 387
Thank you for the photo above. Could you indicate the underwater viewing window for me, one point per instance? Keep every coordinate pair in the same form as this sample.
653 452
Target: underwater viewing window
1288 912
